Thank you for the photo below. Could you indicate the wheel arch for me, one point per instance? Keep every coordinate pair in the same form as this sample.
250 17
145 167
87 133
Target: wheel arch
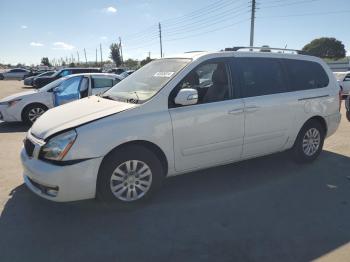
317 118
146 144
29 105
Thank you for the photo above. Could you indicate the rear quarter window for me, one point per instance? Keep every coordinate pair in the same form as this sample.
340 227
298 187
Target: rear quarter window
102 82
305 75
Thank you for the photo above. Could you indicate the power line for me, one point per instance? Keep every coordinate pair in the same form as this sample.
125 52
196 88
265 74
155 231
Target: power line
306 14
209 31
199 12
208 20
292 3
187 19
206 25
154 43
206 12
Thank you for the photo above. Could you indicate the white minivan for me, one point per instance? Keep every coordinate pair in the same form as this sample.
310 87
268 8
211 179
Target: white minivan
180 114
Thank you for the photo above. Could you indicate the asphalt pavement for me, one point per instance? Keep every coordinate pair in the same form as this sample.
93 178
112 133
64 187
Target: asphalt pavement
265 209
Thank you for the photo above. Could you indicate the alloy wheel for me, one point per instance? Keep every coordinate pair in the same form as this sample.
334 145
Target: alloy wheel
311 141
35 113
131 180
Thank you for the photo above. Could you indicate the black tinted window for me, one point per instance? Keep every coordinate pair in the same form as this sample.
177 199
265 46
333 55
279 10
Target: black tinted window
304 75
260 76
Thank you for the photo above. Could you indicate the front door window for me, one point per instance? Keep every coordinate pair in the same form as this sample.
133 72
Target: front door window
67 91
210 80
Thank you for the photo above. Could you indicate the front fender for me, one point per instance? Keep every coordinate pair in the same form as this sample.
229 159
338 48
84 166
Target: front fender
98 138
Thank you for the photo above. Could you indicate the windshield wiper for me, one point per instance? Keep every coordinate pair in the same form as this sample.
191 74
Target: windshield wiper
107 97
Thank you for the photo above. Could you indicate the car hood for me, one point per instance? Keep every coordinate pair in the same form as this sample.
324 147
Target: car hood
18 96
75 114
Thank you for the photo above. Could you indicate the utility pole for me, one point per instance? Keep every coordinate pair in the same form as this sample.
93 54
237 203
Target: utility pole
252 23
160 40
101 53
149 54
78 57
85 56
121 50
96 56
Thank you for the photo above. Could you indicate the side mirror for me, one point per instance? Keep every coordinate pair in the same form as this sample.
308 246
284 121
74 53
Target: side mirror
186 96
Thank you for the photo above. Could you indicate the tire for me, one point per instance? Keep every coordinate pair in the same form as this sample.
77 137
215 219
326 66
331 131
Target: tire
309 142
2 77
348 115
111 175
33 112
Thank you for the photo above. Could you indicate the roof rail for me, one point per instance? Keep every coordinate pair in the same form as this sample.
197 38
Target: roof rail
236 48
196 51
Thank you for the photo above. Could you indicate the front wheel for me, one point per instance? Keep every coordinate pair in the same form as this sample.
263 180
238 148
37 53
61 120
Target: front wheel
309 142
129 175
32 112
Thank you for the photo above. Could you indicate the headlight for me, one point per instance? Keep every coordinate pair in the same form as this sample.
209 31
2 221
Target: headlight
10 103
57 147
13 102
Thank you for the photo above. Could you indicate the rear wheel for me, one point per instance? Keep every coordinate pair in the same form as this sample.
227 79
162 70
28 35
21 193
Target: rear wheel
32 112
348 115
2 77
309 142
129 175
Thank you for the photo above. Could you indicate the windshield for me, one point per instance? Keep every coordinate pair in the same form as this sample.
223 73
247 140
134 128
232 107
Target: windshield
147 81
46 73
339 76
52 84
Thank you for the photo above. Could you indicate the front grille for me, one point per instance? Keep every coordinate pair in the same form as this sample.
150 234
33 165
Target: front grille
29 147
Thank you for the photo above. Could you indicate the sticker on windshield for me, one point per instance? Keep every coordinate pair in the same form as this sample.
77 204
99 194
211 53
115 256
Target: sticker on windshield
164 74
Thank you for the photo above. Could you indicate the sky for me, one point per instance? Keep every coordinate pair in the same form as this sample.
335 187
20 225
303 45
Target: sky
33 29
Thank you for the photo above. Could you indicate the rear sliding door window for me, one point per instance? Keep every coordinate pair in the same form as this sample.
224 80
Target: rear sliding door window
260 76
305 75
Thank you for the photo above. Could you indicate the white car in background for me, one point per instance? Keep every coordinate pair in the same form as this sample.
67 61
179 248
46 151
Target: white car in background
344 81
15 74
29 105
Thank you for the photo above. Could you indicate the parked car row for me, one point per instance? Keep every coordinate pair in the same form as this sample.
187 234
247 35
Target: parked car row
29 105
29 81
44 80
15 74
120 71
344 82
173 116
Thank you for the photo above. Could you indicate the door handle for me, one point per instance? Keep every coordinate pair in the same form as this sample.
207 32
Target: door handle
236 111
251 109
